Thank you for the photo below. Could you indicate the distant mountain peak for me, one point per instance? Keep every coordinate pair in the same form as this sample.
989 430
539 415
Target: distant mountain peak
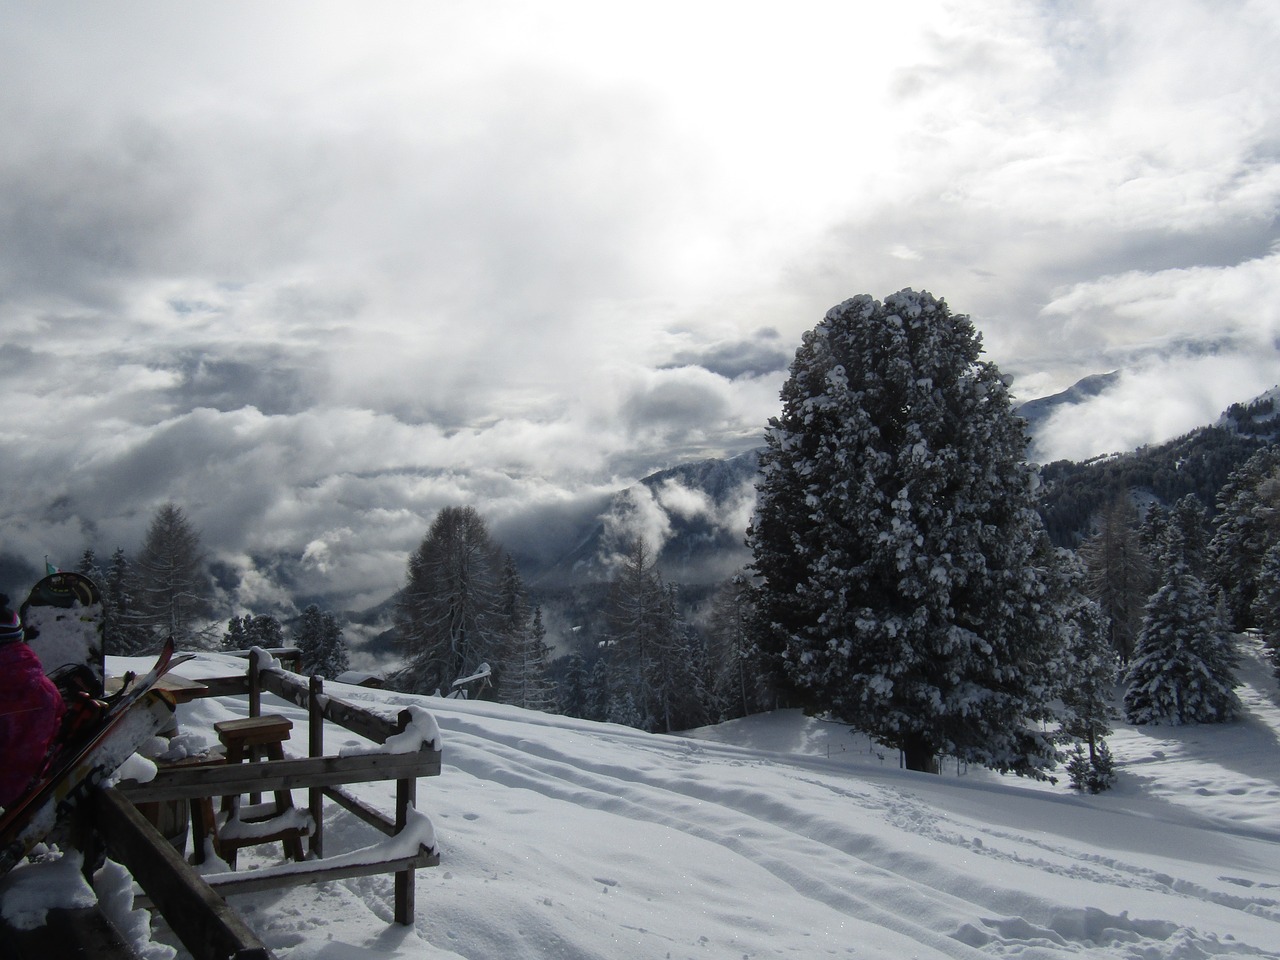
1037 411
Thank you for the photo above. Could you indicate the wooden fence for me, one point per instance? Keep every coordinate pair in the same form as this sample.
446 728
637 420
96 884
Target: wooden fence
189 902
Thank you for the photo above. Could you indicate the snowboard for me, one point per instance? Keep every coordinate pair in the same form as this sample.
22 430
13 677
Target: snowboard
66 609
131 718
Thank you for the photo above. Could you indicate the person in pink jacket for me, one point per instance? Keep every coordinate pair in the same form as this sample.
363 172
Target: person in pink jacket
30 709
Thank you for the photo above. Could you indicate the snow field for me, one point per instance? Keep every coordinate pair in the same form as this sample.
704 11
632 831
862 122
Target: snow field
783 836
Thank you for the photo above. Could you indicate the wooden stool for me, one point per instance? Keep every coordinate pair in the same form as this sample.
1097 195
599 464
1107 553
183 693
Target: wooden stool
244 739
203 823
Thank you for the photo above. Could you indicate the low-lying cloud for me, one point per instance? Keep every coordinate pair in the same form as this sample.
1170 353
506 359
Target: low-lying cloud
315 290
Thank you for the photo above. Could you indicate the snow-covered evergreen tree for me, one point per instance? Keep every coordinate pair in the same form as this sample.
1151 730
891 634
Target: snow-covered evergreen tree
574 693
261 630
88 566
651 653
173 582
1087 675
124 633
446 616
1246 527
525 681
602 690
897 544
318 637
512 650
1266 604
1118 574
738 686
1190 521
1184 668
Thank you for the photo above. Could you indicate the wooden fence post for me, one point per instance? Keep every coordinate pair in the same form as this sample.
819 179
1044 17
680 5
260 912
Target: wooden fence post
315 748
255 685
255 706
406 798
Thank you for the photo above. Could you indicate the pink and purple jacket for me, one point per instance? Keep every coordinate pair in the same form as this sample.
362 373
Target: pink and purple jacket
30 711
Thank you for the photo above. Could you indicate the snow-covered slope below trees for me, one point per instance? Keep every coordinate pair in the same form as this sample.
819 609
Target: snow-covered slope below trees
783 836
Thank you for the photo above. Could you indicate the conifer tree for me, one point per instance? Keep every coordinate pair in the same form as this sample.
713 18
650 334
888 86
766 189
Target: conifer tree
526 682
602 689
1246 527
1184 668
88 566
1266 604
574 688
124 633
1189 519
446 616
249 631
736 679
897 544
173 582
1118 574
1088 672
512 624
323 648
651 652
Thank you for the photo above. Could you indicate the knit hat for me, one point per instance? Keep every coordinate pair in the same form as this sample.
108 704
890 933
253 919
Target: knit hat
10 626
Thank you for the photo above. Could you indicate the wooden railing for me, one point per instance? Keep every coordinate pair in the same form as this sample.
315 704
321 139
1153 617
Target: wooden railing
176 887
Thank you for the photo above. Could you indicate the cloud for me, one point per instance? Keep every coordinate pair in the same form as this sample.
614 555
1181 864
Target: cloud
417 256
762 354
1127 310
711 524
1153 403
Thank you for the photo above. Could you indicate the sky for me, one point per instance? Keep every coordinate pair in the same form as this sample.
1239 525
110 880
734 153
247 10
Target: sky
778 835
313 271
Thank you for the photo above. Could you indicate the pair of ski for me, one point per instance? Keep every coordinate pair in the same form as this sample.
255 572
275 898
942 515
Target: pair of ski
76 769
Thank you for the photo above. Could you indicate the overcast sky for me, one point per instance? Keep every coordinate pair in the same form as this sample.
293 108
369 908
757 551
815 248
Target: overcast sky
314 270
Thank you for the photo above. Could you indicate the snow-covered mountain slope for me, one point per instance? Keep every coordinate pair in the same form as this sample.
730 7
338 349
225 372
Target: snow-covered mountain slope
783 836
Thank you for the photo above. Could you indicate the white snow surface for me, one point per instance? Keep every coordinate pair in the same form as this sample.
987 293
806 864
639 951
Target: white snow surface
785 836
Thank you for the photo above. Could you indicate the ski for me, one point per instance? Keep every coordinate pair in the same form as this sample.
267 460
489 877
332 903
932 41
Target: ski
78 767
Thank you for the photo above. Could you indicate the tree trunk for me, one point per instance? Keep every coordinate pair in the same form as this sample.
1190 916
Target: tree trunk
919 755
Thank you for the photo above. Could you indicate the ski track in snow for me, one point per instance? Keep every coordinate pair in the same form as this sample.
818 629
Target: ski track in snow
573 840
846 864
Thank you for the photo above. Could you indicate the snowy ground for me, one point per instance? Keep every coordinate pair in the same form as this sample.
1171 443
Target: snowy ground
781 836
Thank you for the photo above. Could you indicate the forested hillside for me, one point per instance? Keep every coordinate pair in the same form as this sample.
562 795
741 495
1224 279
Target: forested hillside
1196 463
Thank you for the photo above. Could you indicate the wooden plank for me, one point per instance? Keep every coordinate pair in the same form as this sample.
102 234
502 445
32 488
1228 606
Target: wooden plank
207 927
296 690
269 775
271 879
353 804
84 932
235 685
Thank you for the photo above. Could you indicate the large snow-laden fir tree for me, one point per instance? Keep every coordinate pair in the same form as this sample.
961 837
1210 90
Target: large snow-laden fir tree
902 564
